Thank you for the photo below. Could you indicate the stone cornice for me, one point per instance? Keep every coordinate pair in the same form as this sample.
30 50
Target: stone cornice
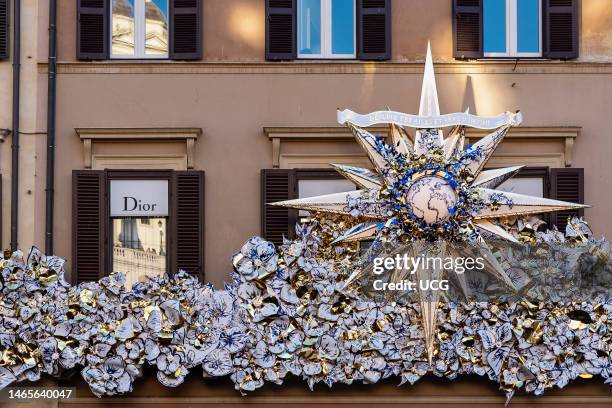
311 134
327 67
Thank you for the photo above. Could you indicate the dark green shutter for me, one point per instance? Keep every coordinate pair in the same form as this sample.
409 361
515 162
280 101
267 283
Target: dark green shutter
277 222
560 28
88 225
374 29
566 184
92 29
467 29
4 29
186 29
188 223
281 30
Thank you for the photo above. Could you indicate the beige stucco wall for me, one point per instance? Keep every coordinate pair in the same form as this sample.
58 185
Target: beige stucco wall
232 103
5 147
32 126
232 109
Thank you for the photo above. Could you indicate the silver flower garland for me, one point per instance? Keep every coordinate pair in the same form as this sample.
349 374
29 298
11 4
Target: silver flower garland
285 312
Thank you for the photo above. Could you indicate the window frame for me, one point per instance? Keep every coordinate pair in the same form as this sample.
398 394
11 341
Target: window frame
512 33
140 32
326 33
128 174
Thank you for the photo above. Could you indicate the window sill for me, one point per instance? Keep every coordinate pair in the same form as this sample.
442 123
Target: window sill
505 59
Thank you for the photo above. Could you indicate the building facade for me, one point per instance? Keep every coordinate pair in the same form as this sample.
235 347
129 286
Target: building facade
177 121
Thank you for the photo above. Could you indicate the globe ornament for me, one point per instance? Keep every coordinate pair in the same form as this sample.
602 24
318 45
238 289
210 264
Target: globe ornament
431 199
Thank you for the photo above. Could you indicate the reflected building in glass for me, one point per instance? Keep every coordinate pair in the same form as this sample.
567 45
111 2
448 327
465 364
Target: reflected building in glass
123 27
139 247
156 27
139 28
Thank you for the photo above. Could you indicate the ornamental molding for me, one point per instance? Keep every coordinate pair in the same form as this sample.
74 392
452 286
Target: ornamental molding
90 135
280 134
566 134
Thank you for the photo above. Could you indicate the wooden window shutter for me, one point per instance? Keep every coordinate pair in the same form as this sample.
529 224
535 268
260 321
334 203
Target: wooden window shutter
281 30
4 29
186 29
88 225
276 222
1 212
92 29
188 223
374 29
560 28
467 29
566 184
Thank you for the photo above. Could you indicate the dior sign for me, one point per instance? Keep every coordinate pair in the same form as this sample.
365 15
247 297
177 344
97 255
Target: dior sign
139 198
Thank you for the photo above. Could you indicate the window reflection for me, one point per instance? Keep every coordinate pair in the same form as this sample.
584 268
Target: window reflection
156 35
309 27
123 27
139 248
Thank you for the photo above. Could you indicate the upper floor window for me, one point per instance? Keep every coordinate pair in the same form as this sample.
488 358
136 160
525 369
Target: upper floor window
512 28
326 29
139 29
515 28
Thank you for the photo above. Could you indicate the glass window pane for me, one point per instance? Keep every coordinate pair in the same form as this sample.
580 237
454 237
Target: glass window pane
139 248
123 27
309 27
343 26
528 26
494 17
311 188
533 186
156 27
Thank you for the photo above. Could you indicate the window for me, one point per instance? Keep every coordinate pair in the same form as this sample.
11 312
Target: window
142 223
311 187
512 28
139 29
139 212
326 29
287 184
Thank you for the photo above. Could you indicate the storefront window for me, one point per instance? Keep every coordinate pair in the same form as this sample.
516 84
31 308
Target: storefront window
139 28
326 28
139 227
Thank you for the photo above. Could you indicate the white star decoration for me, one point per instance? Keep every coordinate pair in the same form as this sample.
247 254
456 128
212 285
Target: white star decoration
423 187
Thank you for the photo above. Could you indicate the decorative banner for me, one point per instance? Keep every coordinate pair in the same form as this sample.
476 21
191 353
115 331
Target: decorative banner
429 122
